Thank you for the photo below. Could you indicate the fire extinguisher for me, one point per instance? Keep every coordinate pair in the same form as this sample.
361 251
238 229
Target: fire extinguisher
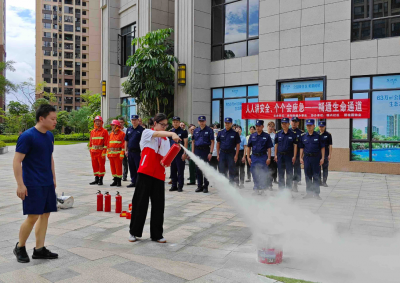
118 203
171 154
107 202
99 201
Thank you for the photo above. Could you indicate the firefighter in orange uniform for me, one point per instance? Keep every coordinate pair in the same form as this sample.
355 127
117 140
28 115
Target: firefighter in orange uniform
115 152
98 147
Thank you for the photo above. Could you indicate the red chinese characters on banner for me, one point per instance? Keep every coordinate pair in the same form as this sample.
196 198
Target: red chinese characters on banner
317 109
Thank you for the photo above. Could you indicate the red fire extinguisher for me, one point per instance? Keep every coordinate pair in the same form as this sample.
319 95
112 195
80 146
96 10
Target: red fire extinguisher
118 203
171 154
107 202
99 201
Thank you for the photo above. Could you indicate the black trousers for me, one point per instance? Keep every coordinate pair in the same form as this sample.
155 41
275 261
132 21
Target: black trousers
148 187
273 171
239 178
248 169
325 170
125 167
214 162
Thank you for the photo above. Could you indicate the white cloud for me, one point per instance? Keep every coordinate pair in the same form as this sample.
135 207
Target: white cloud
20 41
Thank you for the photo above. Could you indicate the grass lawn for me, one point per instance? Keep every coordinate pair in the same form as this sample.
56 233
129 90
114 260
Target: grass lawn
287 280
57 142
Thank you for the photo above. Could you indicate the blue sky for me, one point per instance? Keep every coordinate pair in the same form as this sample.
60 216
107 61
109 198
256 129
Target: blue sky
20 41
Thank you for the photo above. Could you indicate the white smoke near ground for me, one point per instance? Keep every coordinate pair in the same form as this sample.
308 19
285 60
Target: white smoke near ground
309 244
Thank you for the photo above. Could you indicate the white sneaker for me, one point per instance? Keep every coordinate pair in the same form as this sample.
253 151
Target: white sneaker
162 240
132 238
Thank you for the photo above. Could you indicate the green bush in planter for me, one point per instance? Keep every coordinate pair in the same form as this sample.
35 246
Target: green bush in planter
2 144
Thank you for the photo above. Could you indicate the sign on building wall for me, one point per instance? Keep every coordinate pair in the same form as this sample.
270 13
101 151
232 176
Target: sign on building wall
317 109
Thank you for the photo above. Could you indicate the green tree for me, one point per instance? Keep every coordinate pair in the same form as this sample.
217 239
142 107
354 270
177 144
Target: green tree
62 120
17 108
151 78
79 119
6 85
93 102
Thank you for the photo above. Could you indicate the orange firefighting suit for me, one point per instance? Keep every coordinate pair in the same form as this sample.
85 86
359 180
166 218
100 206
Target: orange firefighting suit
115 151
98 147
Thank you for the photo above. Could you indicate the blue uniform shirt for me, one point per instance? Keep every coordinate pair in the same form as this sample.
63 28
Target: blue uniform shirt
38 149
183 134
243 142
311 143
203 137
327 137
260 143
133 136
228 139
285 141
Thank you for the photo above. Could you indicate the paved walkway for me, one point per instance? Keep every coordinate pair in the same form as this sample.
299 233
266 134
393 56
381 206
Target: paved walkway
207 240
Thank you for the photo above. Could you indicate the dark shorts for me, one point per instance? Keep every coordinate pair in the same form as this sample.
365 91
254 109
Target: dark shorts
40 200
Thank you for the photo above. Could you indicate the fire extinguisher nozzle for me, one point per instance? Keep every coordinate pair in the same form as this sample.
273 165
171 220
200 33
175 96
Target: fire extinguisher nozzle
98 191
117 193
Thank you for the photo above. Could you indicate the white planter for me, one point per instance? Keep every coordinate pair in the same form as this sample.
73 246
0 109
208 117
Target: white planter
4 150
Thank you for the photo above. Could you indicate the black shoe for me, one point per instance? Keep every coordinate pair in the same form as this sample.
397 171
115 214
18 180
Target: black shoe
275 182
317 197
190 184
124 179
180 189
248 180
119 182
199 189
100 181
131 185
114 183
43 253
173 189
96 181
21 254
205 190
325 185
188 179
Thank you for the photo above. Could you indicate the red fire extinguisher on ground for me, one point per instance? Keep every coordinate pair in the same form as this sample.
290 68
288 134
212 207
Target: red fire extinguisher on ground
171 154
118 203
99 201
107 202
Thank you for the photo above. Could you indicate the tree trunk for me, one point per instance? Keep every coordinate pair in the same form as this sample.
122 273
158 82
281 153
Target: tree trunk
158 105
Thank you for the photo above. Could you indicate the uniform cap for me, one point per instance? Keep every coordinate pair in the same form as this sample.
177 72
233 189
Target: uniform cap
260 123
296 119
176 118
134 117
310 122
116 123
228 120
322 123
202 118
285 120
98 118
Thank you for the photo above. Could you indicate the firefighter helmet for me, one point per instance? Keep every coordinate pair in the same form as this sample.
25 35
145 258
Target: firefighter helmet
116 123
98 118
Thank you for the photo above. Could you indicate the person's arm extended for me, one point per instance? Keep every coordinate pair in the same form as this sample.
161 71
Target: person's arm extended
237 152
53 169
218 147
330 152
323 156
165 134
301 155
22 192
269 156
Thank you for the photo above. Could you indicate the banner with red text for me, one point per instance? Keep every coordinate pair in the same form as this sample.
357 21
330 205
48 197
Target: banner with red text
314 109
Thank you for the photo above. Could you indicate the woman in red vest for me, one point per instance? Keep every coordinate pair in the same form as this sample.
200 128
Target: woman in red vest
150 180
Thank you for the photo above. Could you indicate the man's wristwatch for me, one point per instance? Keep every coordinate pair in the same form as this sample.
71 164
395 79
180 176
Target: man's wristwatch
210 153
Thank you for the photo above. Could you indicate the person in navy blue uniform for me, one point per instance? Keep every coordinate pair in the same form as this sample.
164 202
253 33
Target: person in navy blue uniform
228 145
312 155
132 148
296 166
327 137
285 154
178 164
260 144
202 146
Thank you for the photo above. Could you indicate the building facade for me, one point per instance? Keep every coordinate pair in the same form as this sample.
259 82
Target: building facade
282 50
3 45
123 20
68 58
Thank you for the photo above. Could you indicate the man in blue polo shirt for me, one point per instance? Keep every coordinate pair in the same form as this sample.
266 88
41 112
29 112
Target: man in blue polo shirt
228 145
202 146
132 148
312 155
36 180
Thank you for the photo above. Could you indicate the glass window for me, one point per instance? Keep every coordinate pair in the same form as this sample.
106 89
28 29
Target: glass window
382 132
385 19
46 25
233 24
216 112
128 108
235 92
233 109
253 91
217 93
68 28
126 48
251 122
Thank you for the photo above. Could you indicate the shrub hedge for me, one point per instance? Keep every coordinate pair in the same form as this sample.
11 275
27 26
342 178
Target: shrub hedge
2 144
72 137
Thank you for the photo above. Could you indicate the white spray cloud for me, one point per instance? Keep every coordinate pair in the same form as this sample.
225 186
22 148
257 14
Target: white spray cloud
309 244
